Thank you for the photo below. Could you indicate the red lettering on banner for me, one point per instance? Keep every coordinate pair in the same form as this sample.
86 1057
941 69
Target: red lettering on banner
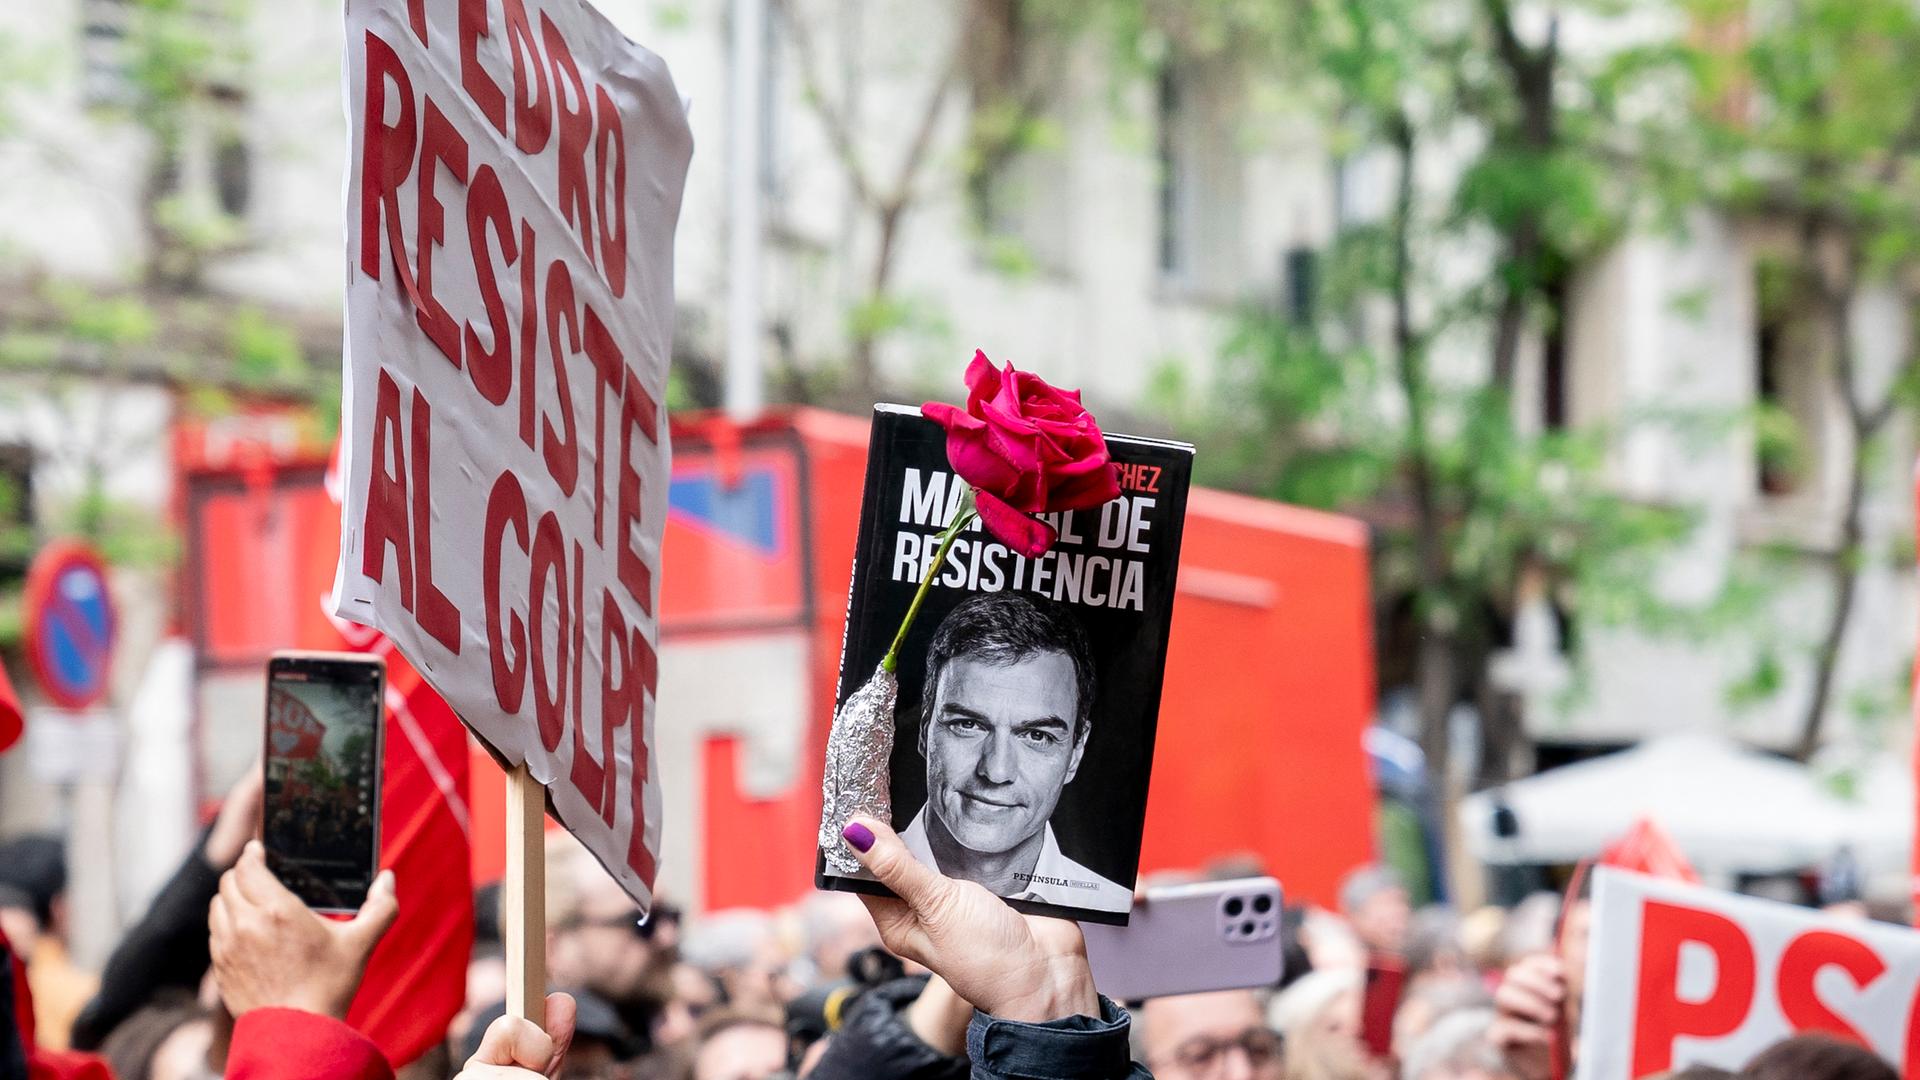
610 199
529 327
644 671
532 100
434 612
439 144
386 157
1661 1015
609 368
549 556
386 522
490 368
417 15
637 411
579 646
594 779
506 505
486 93
1801 963
616 704
576 132
562 455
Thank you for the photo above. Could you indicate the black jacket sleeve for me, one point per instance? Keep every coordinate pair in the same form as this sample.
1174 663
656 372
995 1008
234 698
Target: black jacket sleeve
166 949
1076 1048
875 1043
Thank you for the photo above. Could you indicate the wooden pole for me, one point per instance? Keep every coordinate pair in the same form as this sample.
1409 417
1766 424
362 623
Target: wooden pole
524 895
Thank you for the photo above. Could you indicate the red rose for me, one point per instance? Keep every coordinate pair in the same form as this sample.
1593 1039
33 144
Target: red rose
1027 448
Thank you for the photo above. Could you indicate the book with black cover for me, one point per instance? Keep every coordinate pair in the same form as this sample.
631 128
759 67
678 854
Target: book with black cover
1024 765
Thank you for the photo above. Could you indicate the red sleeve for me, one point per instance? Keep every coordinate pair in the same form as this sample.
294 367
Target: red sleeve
290 1044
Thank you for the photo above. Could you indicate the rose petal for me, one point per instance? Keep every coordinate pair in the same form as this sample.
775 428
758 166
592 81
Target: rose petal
976 459
1085 492
982 380
1026 535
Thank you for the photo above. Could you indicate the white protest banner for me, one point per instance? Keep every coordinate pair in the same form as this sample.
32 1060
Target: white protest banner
1680 975
515 176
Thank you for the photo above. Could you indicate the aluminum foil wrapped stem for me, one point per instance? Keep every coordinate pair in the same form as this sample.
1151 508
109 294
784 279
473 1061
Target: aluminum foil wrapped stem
857 775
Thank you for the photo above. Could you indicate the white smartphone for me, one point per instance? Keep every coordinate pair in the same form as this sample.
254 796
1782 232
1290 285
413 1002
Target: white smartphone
1190 939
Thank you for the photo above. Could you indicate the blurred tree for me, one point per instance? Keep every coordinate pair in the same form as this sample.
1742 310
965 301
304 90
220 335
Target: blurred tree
1491 138
1004 58
1810 116
176 72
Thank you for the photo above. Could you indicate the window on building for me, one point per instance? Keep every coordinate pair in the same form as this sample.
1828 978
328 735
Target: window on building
1019 173
1787 387
1172 184
772 34
1300 272
233 174
18 539
105 56
1556 389
1202 176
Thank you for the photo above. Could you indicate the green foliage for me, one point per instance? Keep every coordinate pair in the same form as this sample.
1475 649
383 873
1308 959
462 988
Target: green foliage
265 353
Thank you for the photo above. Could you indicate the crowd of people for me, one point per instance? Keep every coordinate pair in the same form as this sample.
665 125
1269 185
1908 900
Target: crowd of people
228 974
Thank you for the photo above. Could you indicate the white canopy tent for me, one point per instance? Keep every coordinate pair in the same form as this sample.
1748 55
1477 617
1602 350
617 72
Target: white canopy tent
1730 808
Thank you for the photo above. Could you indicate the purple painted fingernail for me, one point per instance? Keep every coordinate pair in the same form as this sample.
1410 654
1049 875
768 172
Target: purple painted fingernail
858 835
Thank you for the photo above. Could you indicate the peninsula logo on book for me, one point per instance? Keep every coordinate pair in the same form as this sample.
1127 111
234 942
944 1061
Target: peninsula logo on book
1029 688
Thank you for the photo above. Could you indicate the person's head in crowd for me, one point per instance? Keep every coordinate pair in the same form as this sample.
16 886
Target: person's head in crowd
1375 901
486 916
601 1039
741 949
594 936
1330 942
486 986
1295 963
740 1044
1699 1072
1529 927
1008 710
837 927
1482 935
693 994
1434 951
1576 926
1427 1004
1817 1057
164 1041
1219 1036
19 920
1318 1017
1457 1049
34 869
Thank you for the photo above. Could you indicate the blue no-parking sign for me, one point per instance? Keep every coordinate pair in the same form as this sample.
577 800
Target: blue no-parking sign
70 624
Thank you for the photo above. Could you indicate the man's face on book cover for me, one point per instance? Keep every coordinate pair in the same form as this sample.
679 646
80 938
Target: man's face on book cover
1000 743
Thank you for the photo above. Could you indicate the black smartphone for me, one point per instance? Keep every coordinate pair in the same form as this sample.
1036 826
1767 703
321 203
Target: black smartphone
324 747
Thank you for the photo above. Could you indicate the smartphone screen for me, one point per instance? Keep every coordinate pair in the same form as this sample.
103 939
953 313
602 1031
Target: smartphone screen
323 754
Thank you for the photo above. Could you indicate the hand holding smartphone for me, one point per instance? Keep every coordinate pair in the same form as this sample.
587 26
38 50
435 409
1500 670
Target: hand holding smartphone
1190 939
323 754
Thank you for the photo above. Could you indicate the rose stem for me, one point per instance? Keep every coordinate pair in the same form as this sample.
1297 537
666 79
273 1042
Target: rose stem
961 518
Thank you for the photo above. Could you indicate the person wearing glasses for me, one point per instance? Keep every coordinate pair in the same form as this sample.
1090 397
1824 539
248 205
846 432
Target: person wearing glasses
596 941
1219 1036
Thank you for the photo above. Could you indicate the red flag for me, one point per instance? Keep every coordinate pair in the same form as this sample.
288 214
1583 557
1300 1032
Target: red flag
1646 848
10 722
293 730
